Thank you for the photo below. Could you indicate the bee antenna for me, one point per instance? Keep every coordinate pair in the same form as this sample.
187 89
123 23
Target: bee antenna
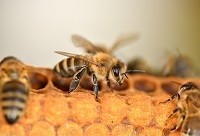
125 75
134 71
176 82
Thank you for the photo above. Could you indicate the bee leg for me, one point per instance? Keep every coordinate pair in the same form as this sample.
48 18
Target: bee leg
95 85
176 95
108 82
180 121
74 83
180 118
175 111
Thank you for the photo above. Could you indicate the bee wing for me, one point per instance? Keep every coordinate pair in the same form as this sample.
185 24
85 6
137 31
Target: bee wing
124 40
76 56
80 41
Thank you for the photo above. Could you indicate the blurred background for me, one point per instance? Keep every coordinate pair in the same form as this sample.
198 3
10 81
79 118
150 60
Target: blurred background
33 29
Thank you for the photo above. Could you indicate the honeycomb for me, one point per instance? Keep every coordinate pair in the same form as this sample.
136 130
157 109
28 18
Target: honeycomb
132 109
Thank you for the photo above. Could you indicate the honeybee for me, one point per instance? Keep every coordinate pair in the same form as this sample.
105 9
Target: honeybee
178 65
14 88
89 47
100 66
187 110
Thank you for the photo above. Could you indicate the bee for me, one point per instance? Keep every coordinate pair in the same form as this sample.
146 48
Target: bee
101 66
178 65
187 110
14 88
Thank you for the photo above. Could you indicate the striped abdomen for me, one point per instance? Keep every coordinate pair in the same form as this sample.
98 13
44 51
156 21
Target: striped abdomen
68 67
13 100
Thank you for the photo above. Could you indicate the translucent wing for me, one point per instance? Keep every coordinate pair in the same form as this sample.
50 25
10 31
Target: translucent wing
80 41
84 58
124 40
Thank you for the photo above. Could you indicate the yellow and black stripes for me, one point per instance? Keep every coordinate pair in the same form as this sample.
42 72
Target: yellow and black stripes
68 67
13 100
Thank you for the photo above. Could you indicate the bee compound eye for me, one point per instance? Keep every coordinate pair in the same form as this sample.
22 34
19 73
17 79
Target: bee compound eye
115 70
188 86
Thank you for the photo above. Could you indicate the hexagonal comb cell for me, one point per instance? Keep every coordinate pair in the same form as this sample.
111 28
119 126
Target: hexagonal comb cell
61 83
170 87
86 83
145 85
122 87
37 80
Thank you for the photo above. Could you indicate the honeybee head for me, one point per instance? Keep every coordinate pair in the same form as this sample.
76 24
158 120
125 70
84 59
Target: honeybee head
117 71
120 71
11 68
188 86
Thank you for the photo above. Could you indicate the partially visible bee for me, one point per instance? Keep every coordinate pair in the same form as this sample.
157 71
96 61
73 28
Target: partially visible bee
14 88
187 110
178 65
89 47
140 63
